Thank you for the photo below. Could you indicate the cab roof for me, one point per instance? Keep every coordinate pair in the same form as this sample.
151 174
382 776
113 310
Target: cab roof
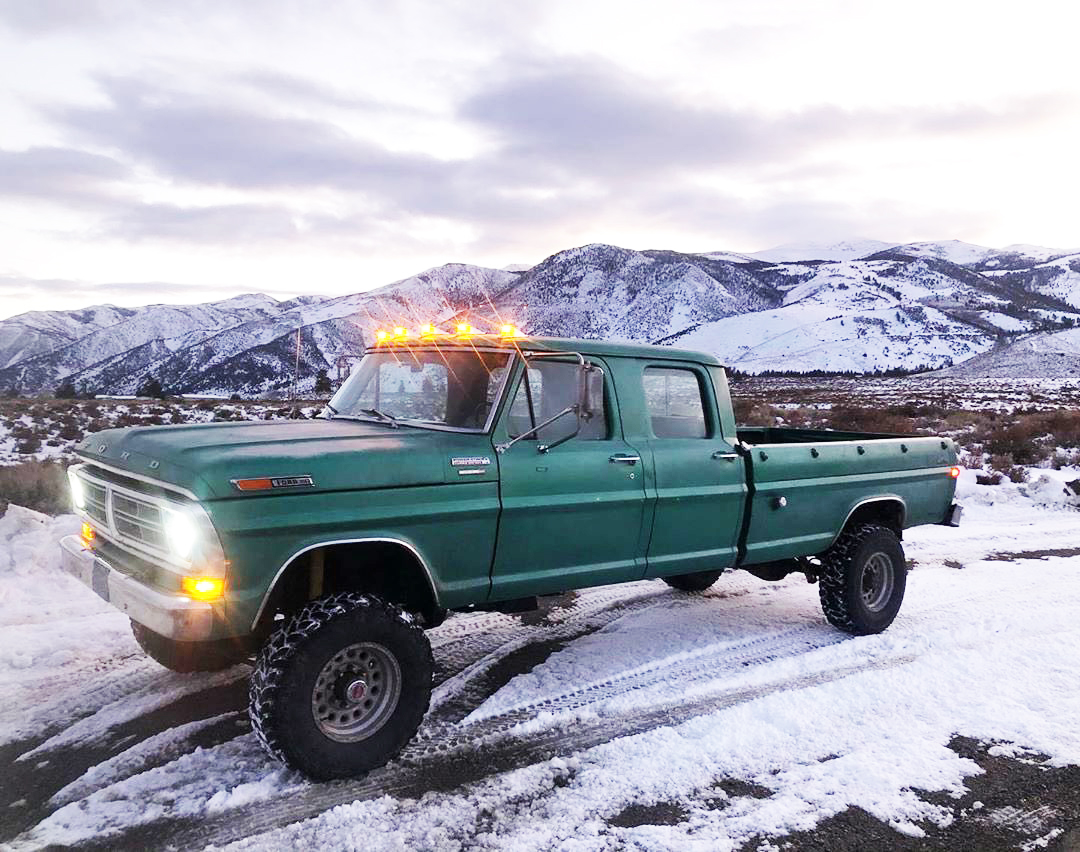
526 343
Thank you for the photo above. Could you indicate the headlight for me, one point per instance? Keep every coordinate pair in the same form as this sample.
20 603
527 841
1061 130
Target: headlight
78 493
180 531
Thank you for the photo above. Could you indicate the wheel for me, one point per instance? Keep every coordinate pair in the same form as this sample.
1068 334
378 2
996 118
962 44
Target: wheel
698 581
341 687
862 580
210 656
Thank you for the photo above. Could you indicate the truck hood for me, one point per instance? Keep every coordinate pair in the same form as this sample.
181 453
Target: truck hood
338 455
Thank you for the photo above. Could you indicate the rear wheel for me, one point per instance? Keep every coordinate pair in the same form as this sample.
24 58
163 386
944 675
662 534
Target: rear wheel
190 656
342 686
863 578
698 581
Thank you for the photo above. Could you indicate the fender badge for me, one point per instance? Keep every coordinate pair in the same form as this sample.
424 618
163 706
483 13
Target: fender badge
469 461
264 483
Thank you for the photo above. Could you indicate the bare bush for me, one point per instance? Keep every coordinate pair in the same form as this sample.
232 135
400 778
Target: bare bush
36 485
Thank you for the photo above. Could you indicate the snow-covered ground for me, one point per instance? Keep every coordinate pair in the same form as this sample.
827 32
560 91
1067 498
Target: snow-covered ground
645 697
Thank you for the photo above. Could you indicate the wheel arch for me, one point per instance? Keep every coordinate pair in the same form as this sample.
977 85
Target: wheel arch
888 510
389 567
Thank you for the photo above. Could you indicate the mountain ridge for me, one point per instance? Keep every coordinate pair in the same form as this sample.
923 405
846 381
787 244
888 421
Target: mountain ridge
894 306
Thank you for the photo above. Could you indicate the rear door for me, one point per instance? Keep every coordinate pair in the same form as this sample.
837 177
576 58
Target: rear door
573 516
700 482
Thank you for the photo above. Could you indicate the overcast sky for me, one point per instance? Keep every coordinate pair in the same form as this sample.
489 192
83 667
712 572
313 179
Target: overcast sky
187 151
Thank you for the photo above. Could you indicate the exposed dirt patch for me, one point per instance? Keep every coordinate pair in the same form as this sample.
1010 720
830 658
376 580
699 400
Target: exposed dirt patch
662 813
1033 554
1018 803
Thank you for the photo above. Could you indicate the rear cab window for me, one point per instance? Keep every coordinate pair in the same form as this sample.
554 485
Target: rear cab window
675 402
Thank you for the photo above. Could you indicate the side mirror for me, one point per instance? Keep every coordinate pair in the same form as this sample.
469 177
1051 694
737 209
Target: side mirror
591 400
587 401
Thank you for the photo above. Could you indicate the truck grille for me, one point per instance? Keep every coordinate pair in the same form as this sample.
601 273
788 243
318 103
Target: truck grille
138 520
130 518
97 500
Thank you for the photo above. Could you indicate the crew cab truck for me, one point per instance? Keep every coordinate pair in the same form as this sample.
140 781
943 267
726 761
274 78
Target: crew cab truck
457 471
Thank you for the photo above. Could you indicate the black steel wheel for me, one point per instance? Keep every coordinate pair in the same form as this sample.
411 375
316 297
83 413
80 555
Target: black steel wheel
863 578
342 686
210 656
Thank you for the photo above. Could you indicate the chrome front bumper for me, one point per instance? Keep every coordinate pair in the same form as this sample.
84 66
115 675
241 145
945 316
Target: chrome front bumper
175 616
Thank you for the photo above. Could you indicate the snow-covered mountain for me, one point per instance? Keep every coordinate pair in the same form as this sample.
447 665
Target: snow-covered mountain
859 305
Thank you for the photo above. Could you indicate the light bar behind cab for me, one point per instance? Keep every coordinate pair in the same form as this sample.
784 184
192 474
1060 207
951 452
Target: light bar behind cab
428 332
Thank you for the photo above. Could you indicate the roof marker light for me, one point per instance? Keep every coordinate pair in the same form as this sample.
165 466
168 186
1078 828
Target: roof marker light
508 331
380 335
400 332
465 330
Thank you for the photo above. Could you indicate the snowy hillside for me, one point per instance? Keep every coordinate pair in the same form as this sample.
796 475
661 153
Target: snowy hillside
859 305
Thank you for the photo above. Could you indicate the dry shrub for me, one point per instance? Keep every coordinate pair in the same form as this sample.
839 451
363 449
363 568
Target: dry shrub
35 485
1031 437
1020 441
991 477
749 413
1018 473
27 445
884 420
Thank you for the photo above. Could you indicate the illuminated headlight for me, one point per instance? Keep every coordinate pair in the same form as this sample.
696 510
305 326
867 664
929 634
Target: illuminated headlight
180 531
78 493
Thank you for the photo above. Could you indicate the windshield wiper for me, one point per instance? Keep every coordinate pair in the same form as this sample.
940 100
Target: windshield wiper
387 418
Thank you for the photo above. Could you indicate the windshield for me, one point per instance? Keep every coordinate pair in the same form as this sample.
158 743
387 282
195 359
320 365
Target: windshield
452 388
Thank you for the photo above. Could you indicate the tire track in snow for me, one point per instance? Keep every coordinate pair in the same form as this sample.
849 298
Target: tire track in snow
448 750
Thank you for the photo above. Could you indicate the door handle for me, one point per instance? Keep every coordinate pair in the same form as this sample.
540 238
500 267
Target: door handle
720 454
624 458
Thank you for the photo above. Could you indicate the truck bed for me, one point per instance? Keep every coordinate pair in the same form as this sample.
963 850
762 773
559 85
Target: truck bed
805 483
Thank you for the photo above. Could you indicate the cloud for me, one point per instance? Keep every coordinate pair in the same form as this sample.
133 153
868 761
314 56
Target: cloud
194 139
58 173
223 223
47 16
67 294
571 143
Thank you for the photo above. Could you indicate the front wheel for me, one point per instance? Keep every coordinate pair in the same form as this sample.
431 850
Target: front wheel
862 580
341 687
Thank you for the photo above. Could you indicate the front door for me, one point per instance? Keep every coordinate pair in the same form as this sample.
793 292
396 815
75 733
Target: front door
571 517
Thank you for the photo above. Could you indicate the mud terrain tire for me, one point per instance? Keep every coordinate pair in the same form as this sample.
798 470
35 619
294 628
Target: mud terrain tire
698 581
862 581
189 656
341 687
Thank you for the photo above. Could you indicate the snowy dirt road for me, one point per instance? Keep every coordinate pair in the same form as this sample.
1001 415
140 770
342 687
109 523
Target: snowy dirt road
622 717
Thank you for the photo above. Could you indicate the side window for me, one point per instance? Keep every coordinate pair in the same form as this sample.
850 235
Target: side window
553 387
673 397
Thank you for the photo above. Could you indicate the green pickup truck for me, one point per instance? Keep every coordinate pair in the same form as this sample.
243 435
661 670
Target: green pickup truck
459 471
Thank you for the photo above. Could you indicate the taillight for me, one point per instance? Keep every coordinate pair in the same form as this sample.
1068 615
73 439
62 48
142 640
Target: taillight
954 472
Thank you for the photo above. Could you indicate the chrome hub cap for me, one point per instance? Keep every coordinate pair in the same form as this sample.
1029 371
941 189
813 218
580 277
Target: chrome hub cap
877 581
356 692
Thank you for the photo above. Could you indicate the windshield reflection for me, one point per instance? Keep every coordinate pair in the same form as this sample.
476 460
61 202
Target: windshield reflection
448 388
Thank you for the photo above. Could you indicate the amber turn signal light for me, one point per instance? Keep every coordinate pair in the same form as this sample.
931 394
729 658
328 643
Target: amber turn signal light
88 533
954 472
203 588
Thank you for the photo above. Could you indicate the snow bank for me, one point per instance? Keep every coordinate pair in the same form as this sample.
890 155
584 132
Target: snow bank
50 624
